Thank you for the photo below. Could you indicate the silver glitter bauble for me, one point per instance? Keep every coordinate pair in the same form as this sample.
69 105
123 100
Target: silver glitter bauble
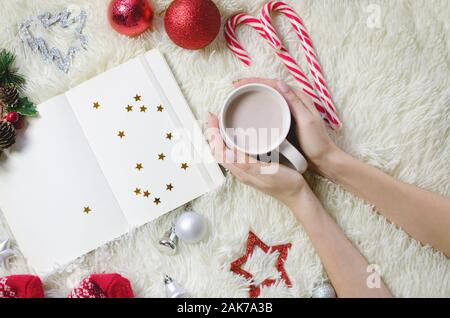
190 227
173 289
325 290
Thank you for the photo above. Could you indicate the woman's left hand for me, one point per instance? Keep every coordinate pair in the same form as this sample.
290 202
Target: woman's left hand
274 179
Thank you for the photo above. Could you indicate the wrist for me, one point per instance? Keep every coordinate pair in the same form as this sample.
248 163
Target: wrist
291 200
332 164
306 206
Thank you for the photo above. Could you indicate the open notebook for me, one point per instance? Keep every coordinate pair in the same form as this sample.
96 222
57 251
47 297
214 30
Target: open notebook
111 154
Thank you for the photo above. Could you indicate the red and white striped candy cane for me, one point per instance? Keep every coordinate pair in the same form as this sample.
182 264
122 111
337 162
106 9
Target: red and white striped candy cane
265 28
231 38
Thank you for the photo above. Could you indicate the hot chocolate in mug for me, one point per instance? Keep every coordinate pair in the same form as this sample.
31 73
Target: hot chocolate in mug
255 119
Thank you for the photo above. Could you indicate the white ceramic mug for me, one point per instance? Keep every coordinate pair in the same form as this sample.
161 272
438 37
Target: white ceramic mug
260 115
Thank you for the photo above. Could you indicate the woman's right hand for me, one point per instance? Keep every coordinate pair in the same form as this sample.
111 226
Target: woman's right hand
311 132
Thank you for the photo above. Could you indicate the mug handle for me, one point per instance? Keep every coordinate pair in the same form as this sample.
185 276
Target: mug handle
294 156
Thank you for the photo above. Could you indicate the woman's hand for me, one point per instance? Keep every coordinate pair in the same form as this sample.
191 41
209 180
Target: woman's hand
274 179
311 132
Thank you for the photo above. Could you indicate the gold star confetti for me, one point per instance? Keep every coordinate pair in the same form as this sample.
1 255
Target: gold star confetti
129 108
160 108
161 156
96 105
137 98
169 136
137 191
139 166
87 210
143 109
157 201
146 193
121 134
184 166
169 187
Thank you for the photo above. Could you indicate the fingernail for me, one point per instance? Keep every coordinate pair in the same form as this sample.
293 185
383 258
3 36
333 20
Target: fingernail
284 88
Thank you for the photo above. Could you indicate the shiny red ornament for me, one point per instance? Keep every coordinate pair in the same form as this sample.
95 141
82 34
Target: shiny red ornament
192 24
252 241
130 17
12 117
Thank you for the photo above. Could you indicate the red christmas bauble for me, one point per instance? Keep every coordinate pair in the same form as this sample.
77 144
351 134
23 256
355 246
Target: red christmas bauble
12 117
192 24
130 17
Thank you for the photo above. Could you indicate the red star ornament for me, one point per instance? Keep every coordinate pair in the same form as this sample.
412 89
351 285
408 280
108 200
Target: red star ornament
252 241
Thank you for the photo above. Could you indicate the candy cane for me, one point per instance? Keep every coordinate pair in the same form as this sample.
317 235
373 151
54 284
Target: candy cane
231 38
265 28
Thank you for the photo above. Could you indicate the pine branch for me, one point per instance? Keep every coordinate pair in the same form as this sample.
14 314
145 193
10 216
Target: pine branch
8 74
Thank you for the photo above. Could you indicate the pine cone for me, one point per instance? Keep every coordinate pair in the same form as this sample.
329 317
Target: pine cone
2 108
7 135
9 95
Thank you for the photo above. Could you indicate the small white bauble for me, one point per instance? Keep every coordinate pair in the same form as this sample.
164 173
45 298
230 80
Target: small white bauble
325 290
190 227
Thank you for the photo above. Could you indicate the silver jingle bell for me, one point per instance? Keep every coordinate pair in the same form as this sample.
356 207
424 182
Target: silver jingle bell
325 290
173 289
168 243
5 252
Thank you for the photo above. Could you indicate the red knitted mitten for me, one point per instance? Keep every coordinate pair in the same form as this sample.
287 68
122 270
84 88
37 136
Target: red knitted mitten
21 286
103 286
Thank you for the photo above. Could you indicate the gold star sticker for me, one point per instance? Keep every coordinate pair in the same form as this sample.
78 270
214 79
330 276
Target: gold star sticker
169 187
96 105
129 108
161 156
157 201
143 109
137 98
160 108
87 210
121 134
137 191
146 193
184 166
139 166
169 136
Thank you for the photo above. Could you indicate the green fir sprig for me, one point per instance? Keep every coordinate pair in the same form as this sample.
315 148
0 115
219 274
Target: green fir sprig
8 74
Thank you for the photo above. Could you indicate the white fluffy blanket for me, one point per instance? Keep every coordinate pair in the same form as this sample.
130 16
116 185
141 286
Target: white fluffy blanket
387 64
